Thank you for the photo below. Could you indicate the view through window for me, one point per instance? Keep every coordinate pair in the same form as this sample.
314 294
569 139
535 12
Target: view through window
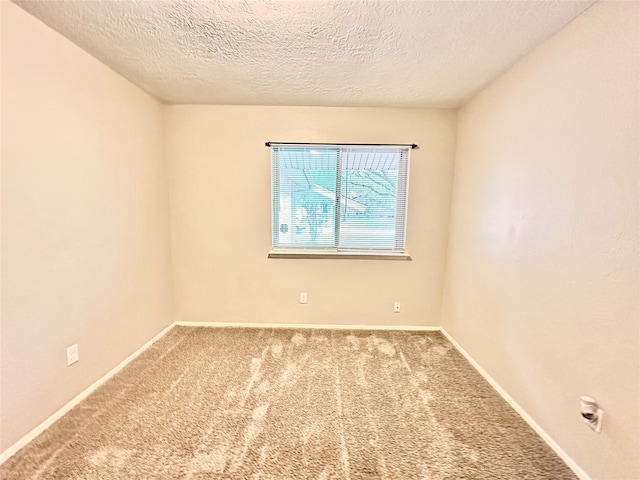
346 198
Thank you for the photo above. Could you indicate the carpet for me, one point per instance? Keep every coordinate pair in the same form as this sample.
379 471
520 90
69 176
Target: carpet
242 403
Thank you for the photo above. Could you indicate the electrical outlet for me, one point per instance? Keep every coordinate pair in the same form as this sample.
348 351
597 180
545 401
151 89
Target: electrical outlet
591 413
396 307
303 297
72 354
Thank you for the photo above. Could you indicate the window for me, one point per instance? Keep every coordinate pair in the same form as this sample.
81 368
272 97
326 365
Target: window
339 199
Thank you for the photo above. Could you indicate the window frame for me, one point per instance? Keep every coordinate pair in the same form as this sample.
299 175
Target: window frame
336 251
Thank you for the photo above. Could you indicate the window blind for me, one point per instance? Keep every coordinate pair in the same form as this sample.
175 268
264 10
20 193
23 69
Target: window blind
339 198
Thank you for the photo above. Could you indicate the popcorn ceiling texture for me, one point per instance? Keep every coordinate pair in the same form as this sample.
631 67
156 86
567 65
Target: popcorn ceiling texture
408 53
239 403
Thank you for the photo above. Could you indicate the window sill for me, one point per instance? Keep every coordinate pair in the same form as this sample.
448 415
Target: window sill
333 255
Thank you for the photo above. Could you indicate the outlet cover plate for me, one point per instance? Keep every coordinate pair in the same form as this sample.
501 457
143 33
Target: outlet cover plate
72 354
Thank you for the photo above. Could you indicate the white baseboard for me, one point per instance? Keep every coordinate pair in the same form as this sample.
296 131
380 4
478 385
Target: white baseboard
582 475
416 328
9 452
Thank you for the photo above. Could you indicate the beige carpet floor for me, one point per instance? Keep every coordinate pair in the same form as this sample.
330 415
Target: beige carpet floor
239 403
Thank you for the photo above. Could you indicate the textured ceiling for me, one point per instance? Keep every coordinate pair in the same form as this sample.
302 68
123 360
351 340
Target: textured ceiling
404 53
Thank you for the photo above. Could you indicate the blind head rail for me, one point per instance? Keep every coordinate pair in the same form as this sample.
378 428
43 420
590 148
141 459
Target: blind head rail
412 145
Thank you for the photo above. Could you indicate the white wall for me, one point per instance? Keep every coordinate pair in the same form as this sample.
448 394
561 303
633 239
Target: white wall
542 283
221 218
85 252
